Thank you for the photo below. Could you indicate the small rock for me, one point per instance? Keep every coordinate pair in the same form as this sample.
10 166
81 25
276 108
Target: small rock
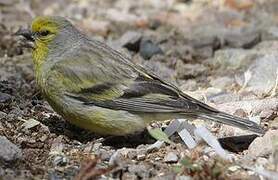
183 177
141 154
270 33
246 40
8 151
267 114
96 146
43 138
263 146
261 161
8 174
205 41
233 58
160 68
157 158
223 97
165 176
239 5
2 172
88 148
149 49
5 98
264 46
275 152
274 123
130 176
255 119
203 46
27 72
6 2
30 123
130 40
118 156
57 146
171 157
211 91
154 24
234 168
98 27
132 154
203 53
189 85
59 160
222 82
140 170
121 16
183 52
105 154
2 114
185 71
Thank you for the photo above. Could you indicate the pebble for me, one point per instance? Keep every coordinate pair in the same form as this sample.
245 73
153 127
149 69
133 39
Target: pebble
2 114
183 177
223 97
234 168
59 160
243 40
268 114
222 82
149 49
261 161
171 157
186 71
5 98
274 123
140 170
141 155
189 85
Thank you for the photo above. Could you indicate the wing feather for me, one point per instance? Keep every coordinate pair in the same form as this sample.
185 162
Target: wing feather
109 80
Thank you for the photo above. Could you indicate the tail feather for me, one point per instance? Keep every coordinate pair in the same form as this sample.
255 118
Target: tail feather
233 121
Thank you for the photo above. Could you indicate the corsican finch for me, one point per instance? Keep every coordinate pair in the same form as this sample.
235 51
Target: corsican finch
98 88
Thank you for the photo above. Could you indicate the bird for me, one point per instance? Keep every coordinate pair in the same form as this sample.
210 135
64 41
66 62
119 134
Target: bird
100 89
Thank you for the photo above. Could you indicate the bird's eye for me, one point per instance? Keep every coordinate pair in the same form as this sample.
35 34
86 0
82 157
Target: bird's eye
44 33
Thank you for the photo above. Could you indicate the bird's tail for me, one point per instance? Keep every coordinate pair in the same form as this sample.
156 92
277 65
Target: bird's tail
228 119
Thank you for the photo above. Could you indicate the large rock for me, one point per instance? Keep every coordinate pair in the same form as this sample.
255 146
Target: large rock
233 59
263 146
8 151
260 64
263 73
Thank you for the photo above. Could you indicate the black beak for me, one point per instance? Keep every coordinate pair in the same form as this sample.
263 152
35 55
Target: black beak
25 33
29 38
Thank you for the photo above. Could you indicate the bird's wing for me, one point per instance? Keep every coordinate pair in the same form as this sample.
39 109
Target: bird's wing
103 77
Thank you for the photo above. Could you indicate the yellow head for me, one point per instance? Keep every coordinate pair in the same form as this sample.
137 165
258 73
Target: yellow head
44 30
44 33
